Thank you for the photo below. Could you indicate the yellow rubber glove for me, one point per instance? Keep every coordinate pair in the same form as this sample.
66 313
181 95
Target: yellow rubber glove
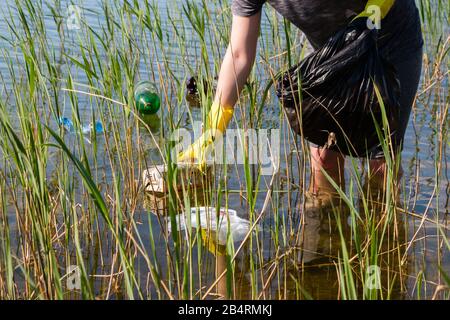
218 119
384 5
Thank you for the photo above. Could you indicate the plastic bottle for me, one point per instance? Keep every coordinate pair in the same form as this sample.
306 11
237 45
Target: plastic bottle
67 124
225 222
146 99
85 129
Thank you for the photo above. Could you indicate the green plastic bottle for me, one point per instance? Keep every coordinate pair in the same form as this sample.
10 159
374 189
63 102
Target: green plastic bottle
146 99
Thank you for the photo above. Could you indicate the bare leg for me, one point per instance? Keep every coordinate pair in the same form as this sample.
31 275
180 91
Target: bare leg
378 172
321 192
375 183
330 161
320 197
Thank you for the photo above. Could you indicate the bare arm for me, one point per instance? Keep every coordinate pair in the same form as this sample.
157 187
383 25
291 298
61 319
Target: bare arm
238 60
236 67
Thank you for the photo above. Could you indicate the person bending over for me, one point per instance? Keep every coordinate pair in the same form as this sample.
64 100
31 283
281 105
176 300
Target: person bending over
318 20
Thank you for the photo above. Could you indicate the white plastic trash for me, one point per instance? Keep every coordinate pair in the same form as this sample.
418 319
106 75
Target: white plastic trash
227 221
188 175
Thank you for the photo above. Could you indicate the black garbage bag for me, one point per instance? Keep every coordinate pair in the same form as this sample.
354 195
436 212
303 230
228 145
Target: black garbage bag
330 98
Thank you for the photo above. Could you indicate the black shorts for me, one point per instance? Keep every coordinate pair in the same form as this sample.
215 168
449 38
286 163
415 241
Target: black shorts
409 72
409 68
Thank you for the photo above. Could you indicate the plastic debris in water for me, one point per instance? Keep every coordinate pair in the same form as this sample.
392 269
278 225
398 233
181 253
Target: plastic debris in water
146 99
194 88
155 181
86 129
206 218
191 86
67 124
98 127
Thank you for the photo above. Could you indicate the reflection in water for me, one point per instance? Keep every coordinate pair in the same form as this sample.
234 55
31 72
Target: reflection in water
240 285
221 267
311 268
320 254
153 122
230 282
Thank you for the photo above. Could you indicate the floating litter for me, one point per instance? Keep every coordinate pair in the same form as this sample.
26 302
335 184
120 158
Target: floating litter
146 99
226 221
67 124
98 127
154 177
70 127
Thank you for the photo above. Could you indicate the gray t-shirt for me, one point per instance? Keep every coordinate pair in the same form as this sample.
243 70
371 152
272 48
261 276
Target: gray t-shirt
320 19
